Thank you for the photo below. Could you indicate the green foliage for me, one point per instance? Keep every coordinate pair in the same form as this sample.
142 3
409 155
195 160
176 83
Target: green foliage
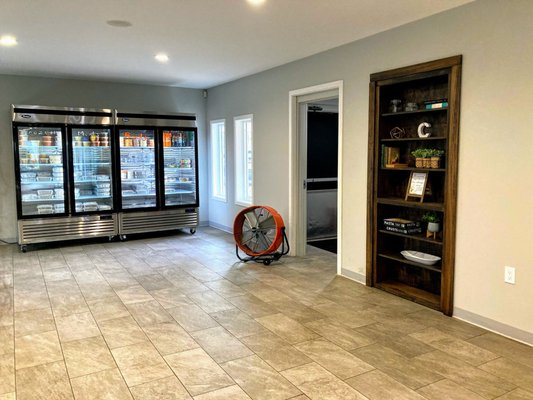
427 153
431 216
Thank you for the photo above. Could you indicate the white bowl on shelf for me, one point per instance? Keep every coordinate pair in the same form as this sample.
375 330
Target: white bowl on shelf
419 257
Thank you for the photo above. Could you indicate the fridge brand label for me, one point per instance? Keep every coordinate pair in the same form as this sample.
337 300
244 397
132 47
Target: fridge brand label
25 116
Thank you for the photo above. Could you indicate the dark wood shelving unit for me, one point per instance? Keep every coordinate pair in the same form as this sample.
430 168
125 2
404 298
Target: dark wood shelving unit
395 114
387 269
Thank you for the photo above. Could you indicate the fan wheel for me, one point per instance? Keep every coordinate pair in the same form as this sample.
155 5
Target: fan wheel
258 230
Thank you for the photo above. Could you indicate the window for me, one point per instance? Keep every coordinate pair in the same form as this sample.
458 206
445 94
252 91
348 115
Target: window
218 159
243 160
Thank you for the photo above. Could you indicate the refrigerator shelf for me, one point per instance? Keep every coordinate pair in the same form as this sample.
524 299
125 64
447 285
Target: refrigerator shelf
144 164
92 163
135 147
94 196
32 166
178 148
41 200
41 182
139 195
139 180
180 168
28 147
179 192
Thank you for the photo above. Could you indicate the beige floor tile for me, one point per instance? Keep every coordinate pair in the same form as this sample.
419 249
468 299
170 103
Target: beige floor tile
101 385
134 294
259 380
63 288
297 311
120 332
7 373
107 308
149 313
76 326
7 340
221 345
511 371
447 389
170 338
87 356
232 392
252 306
505 347
140 363
225 288
188 285
339 334
8 396
410 372
154 282
404 345
264 292
162 389
346 316
34 321
30 300
238 323
120 280
287 328
517 394
171 297
336 360
63 305
93 291
57 274
198 372
378 386
278 353
40 348
457 348
192 318
44 382
210 302
471 378
317 383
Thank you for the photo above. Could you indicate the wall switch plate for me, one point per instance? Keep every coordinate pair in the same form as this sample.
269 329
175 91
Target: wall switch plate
509 275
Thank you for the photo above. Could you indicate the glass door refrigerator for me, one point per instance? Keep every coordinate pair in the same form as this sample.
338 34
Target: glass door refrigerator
158 176
52 174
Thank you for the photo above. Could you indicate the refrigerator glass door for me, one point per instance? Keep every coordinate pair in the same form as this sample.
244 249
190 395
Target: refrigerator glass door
42 169
137 168
179 167
92 173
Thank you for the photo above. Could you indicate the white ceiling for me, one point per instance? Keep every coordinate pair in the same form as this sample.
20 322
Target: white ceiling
208 41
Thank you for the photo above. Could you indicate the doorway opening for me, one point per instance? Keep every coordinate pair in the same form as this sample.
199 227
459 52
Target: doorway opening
321 181
301 102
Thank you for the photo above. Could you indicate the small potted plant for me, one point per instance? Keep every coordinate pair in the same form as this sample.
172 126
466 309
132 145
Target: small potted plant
433 220
419 155
436 155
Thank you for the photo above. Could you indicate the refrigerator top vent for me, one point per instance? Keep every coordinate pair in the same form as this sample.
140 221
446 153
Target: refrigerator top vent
181 120
62 115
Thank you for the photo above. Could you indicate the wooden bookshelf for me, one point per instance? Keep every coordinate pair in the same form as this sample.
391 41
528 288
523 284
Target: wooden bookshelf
386 267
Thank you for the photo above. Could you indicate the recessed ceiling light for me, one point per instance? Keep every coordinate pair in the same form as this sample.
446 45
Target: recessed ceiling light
256 3
8 40
118 23
161 57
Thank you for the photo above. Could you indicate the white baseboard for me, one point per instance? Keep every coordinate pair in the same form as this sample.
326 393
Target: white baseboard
494 326
220 226
203 223
356 276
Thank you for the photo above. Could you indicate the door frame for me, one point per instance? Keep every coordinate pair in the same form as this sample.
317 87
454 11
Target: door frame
297 224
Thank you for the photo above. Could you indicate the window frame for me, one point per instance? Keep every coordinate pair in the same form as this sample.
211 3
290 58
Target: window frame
221 160
241 167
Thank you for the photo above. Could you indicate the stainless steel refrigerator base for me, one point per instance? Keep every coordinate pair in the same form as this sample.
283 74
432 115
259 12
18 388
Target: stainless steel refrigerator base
33 231
152 221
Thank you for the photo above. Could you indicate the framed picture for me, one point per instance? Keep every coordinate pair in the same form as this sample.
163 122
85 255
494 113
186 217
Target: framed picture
417 185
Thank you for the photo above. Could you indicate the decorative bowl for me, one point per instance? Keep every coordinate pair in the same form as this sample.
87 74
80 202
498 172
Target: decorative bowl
419 257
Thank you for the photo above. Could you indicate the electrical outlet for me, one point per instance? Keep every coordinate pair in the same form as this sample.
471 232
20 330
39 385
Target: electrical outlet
509 275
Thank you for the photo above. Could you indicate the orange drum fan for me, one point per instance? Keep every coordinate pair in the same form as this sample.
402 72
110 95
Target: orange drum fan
259 231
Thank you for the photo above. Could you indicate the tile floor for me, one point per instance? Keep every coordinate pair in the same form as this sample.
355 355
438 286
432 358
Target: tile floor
176 317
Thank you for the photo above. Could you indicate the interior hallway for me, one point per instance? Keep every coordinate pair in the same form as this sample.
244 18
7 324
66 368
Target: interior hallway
176 317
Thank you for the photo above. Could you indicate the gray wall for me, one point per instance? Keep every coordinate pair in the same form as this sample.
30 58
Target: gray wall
495 170
77 93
